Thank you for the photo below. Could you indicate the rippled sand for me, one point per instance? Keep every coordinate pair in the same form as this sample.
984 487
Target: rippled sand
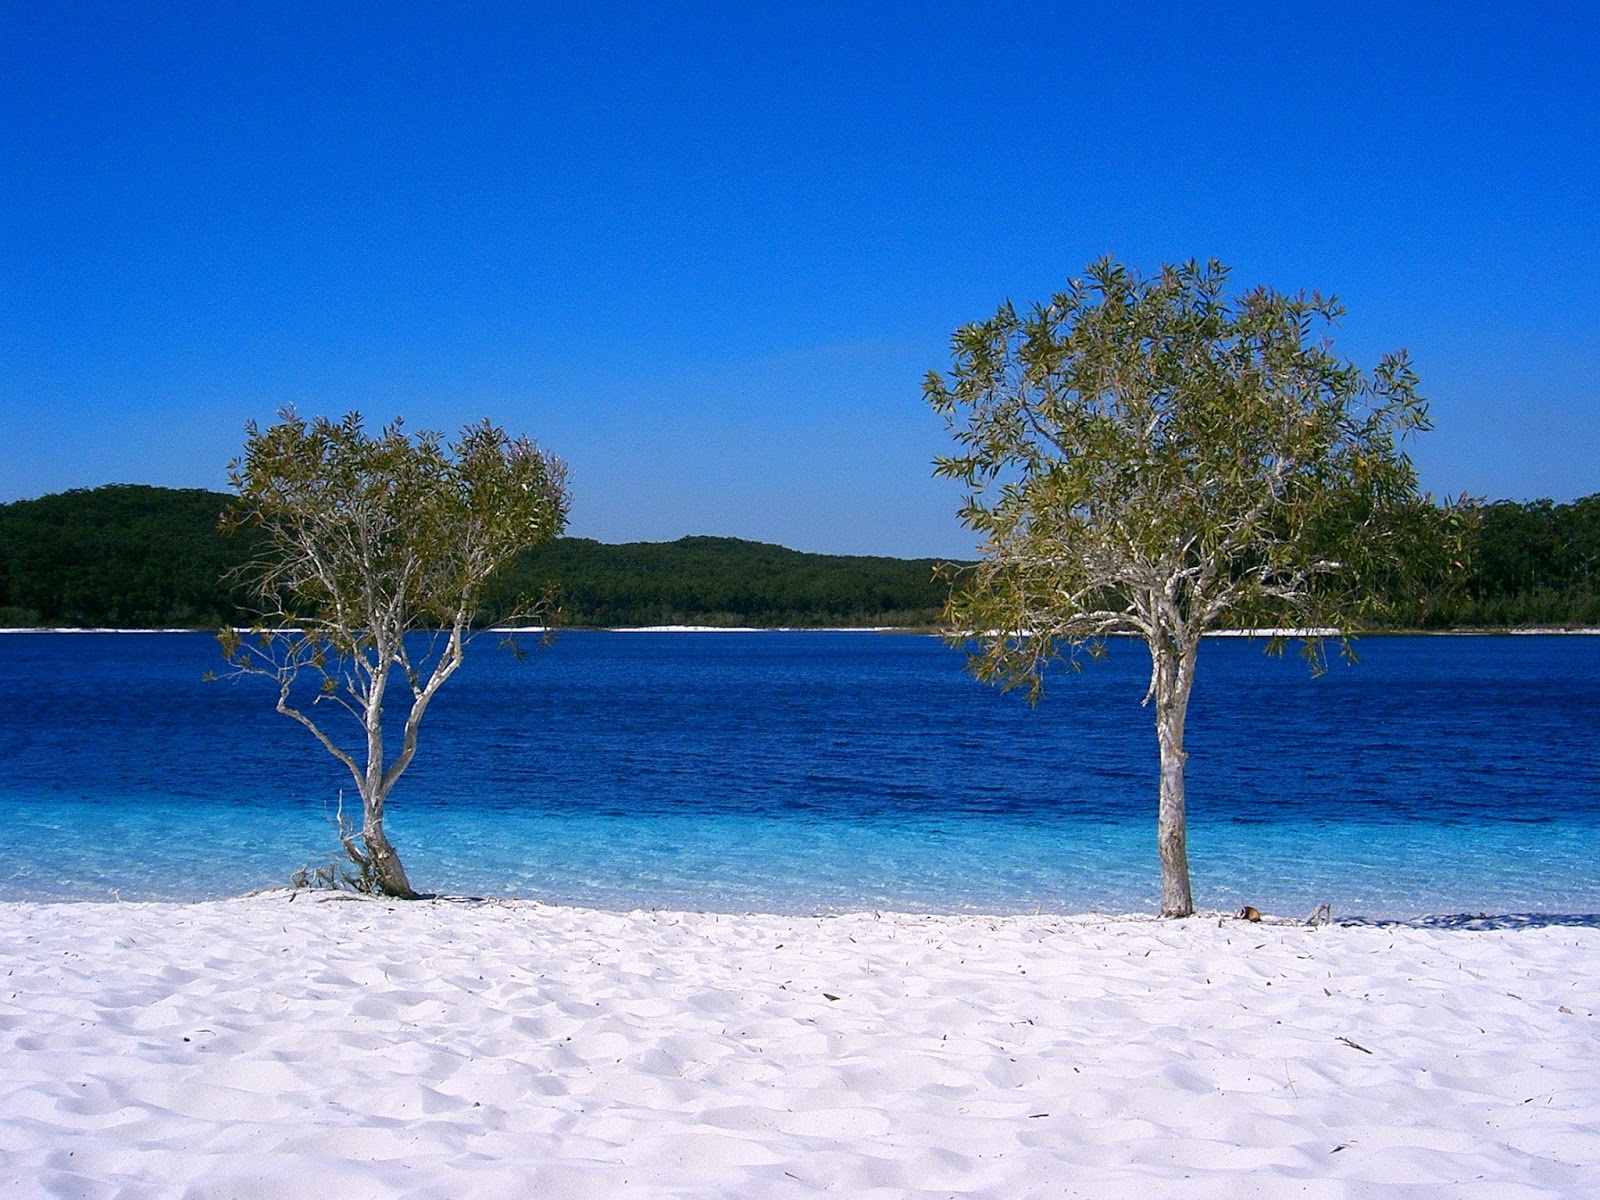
268 1047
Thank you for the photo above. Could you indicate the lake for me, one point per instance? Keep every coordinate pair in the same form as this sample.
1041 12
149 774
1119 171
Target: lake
801 772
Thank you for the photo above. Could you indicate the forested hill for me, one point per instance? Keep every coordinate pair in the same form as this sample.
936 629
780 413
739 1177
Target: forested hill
722 581
121 555
129 555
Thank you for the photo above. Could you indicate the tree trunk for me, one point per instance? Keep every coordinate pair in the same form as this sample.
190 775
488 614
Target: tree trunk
387 872
1174 675
382 860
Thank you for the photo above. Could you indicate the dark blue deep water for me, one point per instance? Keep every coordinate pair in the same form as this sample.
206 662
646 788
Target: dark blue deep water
823 771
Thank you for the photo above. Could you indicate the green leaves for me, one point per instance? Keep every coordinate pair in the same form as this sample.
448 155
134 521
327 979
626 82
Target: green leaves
369 539
1152 456
390 532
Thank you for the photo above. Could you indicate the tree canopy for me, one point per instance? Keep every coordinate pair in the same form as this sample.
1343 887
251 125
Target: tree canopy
1154 457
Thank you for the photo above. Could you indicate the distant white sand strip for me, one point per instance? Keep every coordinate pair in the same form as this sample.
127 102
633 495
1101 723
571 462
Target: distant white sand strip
754 629
1268 631
270 1048
687 629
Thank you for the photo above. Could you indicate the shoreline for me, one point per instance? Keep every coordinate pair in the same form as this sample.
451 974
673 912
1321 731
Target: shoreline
493 1048
1480 921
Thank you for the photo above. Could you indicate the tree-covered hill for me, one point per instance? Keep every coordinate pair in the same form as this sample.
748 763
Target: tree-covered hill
723 581
120 555
130 555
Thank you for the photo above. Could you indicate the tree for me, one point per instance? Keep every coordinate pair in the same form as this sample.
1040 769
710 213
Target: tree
1150 457
377 552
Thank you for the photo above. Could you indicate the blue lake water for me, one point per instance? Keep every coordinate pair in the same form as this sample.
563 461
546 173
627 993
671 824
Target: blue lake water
801 772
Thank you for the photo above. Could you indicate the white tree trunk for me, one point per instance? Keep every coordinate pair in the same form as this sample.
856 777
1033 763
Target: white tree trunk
383 861
387 871
1173 676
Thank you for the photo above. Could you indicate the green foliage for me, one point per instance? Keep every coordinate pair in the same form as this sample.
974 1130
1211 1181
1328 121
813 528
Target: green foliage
129 555
1534 563
178 559
120 555
722 581
369 539
391 531
1154 457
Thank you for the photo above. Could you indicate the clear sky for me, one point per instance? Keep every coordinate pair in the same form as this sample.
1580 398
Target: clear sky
706 253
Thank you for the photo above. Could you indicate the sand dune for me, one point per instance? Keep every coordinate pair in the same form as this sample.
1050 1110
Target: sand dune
265 1047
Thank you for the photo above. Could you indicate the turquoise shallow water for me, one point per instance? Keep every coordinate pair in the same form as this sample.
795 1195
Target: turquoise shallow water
813 772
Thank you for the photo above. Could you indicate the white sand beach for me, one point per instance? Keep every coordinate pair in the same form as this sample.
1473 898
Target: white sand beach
269 1047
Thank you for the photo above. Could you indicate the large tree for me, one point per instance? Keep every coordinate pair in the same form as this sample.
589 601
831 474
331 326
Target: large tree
377 552
1154 457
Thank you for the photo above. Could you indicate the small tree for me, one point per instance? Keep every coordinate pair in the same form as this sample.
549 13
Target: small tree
1149 457
378 549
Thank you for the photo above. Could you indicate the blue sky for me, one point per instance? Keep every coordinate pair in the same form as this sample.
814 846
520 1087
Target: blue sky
706 253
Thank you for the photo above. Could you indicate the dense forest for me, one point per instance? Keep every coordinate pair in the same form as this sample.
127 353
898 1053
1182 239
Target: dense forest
720 581
134 556
122 555
1531 564
129 555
